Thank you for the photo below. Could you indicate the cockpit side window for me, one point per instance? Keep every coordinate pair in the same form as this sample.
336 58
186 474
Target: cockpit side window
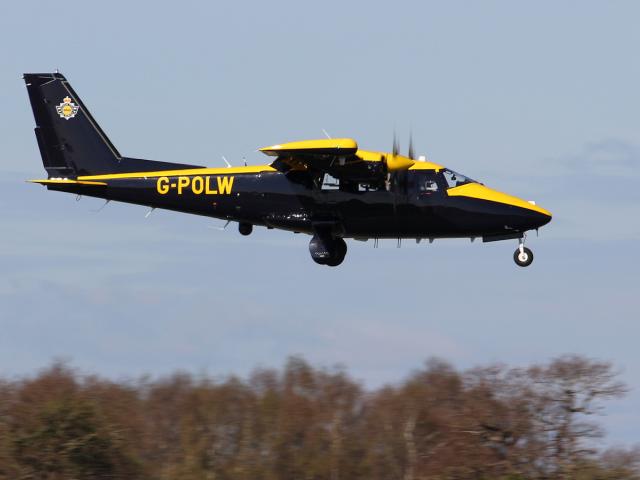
427 183
454 179
427 186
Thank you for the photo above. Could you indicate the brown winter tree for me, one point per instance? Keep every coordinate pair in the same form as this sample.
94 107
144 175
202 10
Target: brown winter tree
302 422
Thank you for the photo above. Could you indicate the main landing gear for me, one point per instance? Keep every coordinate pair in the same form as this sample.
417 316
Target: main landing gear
245 228
327 250
523 256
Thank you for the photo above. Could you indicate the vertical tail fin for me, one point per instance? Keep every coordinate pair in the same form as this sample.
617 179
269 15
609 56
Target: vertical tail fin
71 142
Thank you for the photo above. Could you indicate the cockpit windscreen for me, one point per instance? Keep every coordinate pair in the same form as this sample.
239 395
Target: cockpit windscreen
454 179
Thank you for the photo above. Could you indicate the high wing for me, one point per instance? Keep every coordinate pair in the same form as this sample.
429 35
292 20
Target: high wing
336 156
340 158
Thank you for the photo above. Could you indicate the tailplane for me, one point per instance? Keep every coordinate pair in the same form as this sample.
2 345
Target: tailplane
71 142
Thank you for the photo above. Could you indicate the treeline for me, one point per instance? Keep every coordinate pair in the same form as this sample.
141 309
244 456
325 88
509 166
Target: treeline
303 422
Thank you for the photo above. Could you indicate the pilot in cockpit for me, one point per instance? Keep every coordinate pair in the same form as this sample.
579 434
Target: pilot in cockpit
427 185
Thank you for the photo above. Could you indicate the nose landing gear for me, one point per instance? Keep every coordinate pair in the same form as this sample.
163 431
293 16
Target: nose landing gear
523 256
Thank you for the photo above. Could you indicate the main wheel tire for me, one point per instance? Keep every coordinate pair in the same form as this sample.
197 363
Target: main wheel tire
320 249
524 258
245 228
339 250
327 251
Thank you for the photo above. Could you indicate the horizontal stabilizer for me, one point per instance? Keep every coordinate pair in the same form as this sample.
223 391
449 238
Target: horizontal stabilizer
65 181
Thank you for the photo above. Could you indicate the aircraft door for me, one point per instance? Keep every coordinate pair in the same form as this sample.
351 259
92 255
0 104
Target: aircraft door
398 185
425 189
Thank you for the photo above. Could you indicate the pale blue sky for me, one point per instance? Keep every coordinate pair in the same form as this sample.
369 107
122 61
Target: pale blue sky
537 99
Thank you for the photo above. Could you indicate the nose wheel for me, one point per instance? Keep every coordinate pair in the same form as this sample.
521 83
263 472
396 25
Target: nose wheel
523 256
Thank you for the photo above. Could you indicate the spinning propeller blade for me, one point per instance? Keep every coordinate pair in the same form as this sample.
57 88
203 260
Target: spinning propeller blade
411 154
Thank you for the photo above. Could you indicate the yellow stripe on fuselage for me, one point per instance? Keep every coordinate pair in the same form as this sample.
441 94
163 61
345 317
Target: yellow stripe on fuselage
475 190
182 172
64 181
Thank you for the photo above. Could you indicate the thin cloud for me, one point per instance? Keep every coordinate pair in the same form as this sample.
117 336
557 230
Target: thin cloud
611 157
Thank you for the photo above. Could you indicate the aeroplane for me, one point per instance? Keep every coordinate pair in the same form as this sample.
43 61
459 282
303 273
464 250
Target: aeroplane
329 189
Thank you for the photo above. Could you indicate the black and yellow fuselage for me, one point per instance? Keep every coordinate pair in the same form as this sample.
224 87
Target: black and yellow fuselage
327 188
267 197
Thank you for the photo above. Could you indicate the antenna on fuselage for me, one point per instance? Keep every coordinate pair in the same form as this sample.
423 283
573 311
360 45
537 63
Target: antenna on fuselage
326 134
106 202
225 161
223 228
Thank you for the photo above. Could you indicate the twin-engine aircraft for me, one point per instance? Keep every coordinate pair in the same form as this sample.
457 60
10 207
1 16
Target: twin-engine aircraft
329 188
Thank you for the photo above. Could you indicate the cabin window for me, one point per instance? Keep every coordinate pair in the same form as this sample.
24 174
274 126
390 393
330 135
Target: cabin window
426 182
329 182
428 185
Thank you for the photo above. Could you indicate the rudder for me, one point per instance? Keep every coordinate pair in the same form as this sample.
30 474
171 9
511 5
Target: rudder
71 142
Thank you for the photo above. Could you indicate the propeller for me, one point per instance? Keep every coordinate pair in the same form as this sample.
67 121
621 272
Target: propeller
396 161
411 154
396 146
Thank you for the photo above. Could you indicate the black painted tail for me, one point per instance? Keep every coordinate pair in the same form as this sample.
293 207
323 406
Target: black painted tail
71 142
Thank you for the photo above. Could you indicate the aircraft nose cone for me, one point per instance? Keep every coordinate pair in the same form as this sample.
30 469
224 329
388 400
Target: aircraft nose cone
525 216
512 212
535 218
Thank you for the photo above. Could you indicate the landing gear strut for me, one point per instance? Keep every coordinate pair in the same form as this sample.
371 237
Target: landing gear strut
523 256
327 250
